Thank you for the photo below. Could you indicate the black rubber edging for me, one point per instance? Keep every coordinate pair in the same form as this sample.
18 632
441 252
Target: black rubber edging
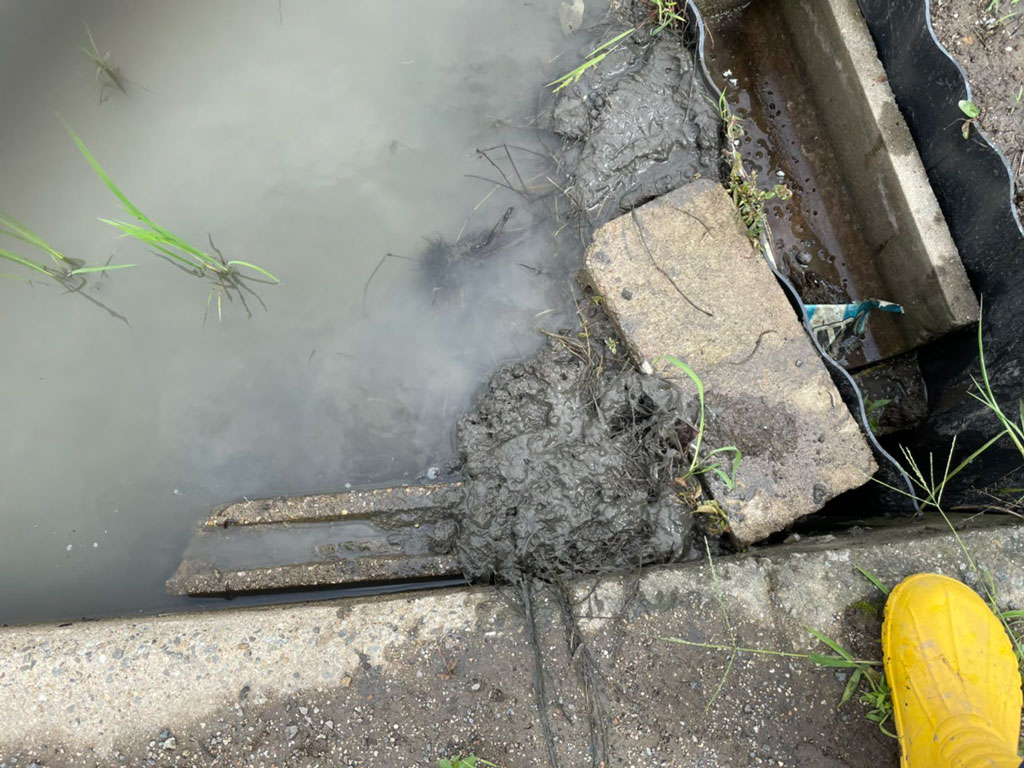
974 185
890 471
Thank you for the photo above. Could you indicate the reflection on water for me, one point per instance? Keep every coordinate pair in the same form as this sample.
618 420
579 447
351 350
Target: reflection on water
311 143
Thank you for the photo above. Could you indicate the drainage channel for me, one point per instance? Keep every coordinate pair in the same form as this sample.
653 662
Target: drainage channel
818 243
862 223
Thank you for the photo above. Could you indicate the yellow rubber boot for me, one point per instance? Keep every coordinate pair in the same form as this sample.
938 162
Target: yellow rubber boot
956 686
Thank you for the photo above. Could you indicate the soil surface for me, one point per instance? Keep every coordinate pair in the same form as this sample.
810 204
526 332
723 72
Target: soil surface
987 38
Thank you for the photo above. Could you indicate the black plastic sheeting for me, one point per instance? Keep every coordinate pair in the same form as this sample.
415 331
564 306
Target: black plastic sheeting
974 186
890 471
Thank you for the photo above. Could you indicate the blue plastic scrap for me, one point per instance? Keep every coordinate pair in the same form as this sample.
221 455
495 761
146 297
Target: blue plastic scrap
834 322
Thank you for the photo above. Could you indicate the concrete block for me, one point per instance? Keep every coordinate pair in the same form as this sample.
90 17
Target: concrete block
679 276
353 537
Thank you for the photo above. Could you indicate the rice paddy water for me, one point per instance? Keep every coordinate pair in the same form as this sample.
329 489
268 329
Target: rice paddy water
309 138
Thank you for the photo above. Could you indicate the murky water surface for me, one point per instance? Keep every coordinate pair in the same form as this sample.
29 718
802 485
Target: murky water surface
310 138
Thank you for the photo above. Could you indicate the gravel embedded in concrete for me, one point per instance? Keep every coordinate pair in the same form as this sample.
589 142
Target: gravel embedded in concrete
404 681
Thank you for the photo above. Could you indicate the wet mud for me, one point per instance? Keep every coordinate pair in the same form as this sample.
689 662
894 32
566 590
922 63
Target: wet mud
568 460
638 125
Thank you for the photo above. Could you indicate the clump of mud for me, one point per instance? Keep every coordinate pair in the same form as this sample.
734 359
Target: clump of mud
640 124
568 459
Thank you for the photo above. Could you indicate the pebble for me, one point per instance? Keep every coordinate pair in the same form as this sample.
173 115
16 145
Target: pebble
291 732
804 258
475 687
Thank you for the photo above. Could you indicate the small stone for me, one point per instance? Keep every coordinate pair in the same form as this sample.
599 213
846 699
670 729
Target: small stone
303 710
475 687
291 732
346 681
804 258
170 743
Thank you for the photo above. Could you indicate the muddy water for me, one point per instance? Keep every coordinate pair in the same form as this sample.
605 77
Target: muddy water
815 233
311 138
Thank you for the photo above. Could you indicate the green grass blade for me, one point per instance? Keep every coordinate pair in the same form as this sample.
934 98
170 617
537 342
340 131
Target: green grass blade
717 469
109 182
14 228
851 686
874 580
822 660
84 270
25 262
253 267
675 361
613 41
823 638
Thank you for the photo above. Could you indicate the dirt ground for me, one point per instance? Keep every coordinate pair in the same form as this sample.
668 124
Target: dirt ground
987 38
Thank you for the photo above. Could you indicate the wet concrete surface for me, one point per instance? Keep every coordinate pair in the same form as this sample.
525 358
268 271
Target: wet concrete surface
407 680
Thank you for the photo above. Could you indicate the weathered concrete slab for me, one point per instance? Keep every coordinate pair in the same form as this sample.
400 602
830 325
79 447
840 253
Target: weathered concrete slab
895 207
359 536
337 506
680 277
404 681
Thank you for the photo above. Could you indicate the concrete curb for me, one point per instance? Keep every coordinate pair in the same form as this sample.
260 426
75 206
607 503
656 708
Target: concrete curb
405 680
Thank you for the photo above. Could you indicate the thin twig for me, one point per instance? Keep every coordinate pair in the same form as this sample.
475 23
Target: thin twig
657 266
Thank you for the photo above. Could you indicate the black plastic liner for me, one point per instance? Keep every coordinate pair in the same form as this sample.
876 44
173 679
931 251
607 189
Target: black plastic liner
890 472
974 186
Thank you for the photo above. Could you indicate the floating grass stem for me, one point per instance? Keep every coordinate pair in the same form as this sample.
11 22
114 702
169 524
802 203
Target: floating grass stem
109 74
591 60
63 269
227 280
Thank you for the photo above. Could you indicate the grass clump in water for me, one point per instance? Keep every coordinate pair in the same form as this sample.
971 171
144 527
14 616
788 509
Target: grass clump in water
108 74
64 269
226 278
